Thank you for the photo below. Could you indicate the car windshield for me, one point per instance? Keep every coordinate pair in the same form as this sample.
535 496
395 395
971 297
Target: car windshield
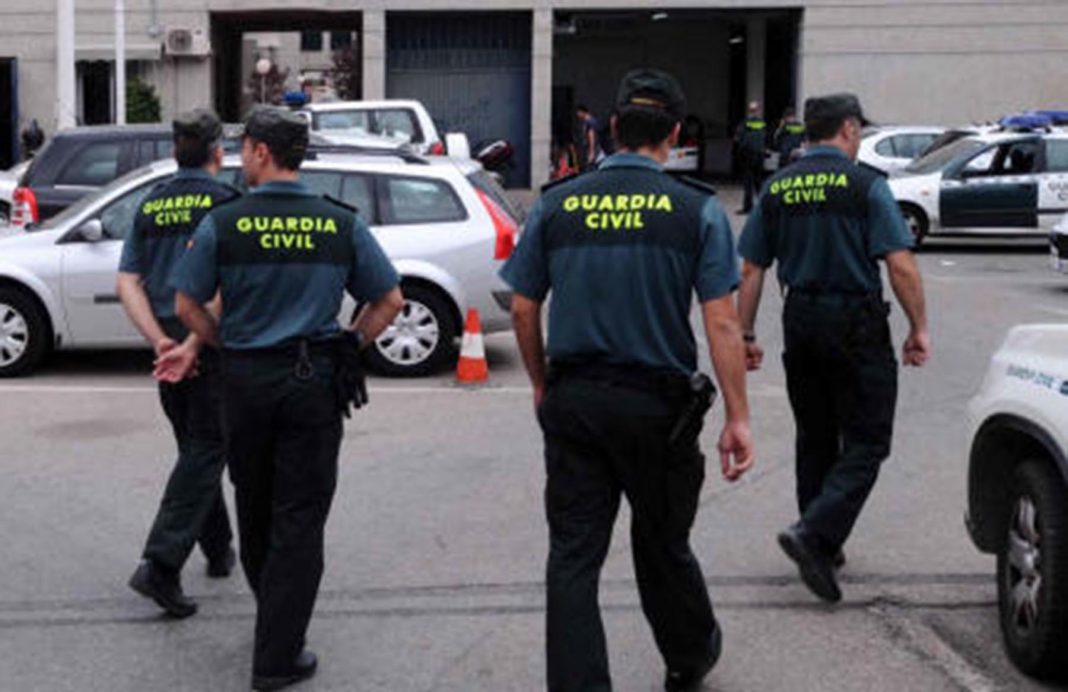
86 202
940 158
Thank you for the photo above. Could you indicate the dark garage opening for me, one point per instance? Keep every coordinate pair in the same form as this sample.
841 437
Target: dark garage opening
472 72
228 28
706 50
9 115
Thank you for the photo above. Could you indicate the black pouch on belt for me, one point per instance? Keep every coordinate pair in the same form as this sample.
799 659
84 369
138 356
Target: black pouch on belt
702 394
351 381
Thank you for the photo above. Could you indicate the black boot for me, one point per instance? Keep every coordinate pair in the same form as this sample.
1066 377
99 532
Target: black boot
817 570
303 668
165 589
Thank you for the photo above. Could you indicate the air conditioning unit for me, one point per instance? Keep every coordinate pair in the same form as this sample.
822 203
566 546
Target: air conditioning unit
187 43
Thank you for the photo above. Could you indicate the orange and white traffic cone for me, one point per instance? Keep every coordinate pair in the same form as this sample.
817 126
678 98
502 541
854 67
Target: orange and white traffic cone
472 368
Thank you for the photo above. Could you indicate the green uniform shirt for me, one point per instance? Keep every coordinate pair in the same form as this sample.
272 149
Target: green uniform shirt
826 222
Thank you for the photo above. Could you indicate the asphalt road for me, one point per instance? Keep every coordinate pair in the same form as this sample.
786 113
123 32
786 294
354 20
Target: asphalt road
436 544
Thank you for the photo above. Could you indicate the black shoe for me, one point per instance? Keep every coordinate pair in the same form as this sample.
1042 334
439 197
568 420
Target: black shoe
816 571
839 559
681 681
222 567
165 591
303 668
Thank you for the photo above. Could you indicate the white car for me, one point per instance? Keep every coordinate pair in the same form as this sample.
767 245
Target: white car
889 149
444 223
1018 491
368 123
993 184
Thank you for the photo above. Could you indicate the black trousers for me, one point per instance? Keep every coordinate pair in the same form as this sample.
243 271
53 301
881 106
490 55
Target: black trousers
283 437
603 440
192 508
752 179
841 376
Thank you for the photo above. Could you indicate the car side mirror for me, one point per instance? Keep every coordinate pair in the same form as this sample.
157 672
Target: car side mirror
92 231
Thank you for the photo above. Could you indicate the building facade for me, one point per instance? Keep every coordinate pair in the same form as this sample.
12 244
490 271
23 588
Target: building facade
517 68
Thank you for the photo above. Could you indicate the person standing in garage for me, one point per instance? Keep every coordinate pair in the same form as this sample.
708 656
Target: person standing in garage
192 508
789 137
826 222
751 141
623 249
281 259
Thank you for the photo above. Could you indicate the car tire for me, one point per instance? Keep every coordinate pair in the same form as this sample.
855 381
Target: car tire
24 333
421 340
1033 572
917 222
5 214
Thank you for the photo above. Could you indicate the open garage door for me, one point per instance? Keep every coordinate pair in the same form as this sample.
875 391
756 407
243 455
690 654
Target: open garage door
471 71
9 113
722 58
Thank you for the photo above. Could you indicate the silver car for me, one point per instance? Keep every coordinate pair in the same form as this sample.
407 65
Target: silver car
444 223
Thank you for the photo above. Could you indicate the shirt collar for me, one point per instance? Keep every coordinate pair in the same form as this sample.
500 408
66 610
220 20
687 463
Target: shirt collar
193 174
826 150
283 186
630 160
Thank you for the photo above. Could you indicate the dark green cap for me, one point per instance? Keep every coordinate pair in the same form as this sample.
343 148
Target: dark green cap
834 108
200 124
280 129
651 90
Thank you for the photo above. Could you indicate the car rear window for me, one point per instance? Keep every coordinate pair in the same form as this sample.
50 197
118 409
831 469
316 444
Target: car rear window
95 165
485 183
1057 155
411 200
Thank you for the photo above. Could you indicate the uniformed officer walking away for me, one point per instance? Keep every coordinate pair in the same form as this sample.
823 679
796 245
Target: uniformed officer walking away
751 142
192 507
789 137
282 258
826 222
622 250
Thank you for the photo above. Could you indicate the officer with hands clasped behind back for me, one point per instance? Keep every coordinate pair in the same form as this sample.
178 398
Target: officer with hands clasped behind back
622 250
192 507
281 259
826 222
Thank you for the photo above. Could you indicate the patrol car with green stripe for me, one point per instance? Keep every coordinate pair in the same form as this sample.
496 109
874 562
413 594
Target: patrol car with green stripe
993 184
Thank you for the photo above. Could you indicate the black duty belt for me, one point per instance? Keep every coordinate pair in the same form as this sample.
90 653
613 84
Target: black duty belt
634 376
828 297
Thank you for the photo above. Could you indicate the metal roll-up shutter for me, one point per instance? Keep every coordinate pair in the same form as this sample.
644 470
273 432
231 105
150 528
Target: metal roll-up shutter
472 72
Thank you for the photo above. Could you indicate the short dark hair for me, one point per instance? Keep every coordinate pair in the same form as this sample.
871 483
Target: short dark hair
288 158
192 152
641 127
823 129
582 108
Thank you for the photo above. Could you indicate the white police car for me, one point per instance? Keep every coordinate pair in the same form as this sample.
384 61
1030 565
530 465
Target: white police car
1018 491
992 184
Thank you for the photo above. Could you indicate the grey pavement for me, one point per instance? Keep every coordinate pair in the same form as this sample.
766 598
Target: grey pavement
436 543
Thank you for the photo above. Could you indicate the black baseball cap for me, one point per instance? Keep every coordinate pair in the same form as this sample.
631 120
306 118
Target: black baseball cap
652 90
200 124
280 129
834 108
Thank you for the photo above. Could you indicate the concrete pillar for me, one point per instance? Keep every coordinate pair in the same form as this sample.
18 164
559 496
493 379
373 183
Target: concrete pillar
374 54
66 95
541 101
756 51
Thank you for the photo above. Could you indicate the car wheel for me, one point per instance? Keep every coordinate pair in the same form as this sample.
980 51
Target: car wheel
1033 572
23 333
916 221
5 215
422 338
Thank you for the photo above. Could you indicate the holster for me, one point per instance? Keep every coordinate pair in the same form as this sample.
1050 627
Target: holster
350 380
702 394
